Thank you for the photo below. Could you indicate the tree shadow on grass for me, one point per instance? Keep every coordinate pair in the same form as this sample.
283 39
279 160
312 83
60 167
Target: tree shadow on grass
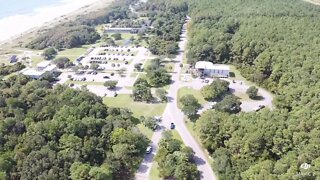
258 98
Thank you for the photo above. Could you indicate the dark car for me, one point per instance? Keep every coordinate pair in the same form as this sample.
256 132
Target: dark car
172 126
106 77
260 107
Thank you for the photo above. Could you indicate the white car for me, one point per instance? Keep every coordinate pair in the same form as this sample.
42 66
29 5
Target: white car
149 150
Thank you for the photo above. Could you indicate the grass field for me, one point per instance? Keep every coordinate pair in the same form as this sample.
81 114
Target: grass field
73 53
196 93
138 108
35 59
154 172
146 131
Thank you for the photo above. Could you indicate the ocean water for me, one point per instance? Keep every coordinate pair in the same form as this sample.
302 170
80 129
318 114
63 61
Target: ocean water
22 7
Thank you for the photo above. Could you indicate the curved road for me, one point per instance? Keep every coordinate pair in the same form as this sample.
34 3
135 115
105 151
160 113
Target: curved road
173 114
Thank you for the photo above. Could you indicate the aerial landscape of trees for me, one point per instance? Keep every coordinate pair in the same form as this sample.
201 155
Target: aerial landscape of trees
175 160
6 70
215 90
276 45
168 18
55 132
62 133
80 31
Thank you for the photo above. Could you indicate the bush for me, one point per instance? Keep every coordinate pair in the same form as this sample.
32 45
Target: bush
110 84
252 92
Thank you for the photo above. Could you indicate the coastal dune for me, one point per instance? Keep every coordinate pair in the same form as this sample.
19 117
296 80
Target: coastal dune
14 26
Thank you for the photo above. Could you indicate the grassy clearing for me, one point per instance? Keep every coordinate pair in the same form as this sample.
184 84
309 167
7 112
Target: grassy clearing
176 135
73 53
138 108
146 131
36 60
196 93
154 172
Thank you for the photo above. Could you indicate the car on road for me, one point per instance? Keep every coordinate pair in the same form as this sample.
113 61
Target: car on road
106 77
172 126
149 150
206 81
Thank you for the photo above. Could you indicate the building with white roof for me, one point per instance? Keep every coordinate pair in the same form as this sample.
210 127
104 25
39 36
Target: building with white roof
206 68
41 69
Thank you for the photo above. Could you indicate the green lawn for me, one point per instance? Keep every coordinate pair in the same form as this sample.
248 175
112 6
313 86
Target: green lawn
154 172
35 59
196 93
73 53
146 131
138 108
176 135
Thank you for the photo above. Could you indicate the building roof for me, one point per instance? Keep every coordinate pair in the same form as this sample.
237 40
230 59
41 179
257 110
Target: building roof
210 65
50 68
33 72
43 64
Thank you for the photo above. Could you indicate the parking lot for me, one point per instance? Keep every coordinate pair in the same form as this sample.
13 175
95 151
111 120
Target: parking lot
110 66
238 88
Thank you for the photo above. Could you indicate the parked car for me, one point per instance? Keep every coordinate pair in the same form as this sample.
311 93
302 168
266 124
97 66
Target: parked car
149 150
206 81
106 77
172 126
260 107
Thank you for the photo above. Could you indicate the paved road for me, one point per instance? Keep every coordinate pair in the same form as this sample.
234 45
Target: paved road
173 114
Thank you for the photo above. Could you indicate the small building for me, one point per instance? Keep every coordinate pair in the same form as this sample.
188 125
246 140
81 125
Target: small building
41 70
42 65
13 59
208 69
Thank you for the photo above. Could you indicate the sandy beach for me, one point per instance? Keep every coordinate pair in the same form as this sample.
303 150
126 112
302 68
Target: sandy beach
15 27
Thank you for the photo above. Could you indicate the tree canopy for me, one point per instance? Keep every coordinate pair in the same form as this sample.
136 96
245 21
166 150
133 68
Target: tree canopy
62 133
276 45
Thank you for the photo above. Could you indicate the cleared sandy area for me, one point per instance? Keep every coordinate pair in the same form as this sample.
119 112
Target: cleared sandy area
316 2
20 28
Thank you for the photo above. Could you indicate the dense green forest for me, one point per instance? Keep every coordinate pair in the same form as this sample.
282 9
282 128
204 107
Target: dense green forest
81 31
167 19
6 70
62 133
276 45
